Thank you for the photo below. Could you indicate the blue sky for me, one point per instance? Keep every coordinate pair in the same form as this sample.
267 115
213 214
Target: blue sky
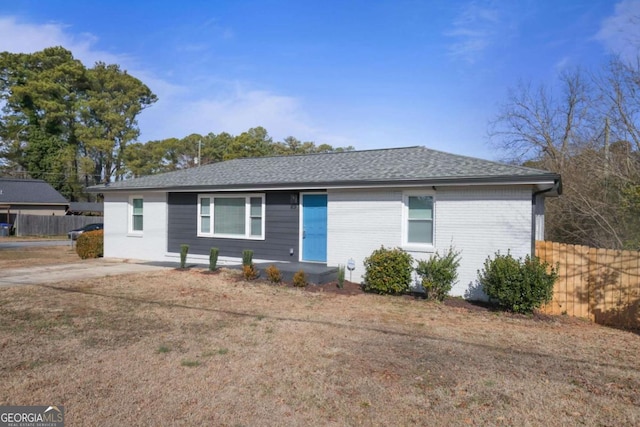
371 74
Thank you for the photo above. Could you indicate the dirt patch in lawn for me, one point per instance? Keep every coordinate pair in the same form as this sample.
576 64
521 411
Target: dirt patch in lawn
200 349
32 256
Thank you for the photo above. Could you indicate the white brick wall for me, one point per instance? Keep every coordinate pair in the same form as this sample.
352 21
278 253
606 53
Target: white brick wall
477 221
358 222
118 243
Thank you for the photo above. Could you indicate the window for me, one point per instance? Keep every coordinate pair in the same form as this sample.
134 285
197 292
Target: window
205 215
255 215
231 216
418 229
136 206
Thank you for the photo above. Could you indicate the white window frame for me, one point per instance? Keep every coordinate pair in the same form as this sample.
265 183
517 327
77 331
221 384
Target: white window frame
247 212
413 246
130 230
210 232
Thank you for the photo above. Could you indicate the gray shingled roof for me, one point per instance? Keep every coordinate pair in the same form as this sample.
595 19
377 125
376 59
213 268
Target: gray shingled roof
29 191
371 167
86 207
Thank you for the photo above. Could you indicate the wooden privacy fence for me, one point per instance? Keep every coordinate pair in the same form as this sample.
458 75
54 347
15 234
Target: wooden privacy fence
51 225
600 284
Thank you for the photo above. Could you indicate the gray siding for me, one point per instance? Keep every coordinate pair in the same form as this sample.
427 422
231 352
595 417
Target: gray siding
281 229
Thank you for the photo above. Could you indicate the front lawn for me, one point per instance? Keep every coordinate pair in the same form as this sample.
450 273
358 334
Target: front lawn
187 348
37 255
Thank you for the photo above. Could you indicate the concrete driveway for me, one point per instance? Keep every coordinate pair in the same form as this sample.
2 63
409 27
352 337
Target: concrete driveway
76 271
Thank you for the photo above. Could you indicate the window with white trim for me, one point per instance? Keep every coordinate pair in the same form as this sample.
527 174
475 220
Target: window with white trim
205 215
136 209
231 216
418 215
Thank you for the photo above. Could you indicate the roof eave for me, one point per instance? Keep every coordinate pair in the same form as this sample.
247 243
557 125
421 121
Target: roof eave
542 180
35 203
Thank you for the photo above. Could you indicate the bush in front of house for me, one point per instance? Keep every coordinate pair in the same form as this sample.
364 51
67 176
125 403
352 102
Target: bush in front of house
439 273
518 285
388 271
250 272
247 257
184 250
90 244
300 279
273 274
213 259
341 272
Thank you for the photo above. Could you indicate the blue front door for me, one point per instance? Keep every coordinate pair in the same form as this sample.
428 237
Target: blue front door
314 227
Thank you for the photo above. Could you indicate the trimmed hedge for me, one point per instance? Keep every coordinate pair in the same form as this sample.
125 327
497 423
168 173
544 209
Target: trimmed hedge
90 244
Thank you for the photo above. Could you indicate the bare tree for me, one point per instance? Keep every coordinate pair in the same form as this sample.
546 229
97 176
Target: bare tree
536 125
570 133
620 86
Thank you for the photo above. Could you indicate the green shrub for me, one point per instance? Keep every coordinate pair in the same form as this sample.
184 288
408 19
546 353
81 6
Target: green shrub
388 271
341 276
273 274
250 272
90 244
213 259
184 250
300 279
247 257
517 285
439 273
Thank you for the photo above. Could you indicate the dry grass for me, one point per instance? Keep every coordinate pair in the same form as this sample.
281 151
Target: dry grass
185 348
30 238
45 255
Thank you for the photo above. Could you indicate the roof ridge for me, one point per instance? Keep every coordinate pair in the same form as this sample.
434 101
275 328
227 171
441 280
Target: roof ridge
422 147
320 154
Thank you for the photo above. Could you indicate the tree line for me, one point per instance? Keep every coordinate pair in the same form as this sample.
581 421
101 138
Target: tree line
171 154
74 126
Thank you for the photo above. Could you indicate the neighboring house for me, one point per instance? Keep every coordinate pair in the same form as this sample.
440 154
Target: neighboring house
330 208
30 197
